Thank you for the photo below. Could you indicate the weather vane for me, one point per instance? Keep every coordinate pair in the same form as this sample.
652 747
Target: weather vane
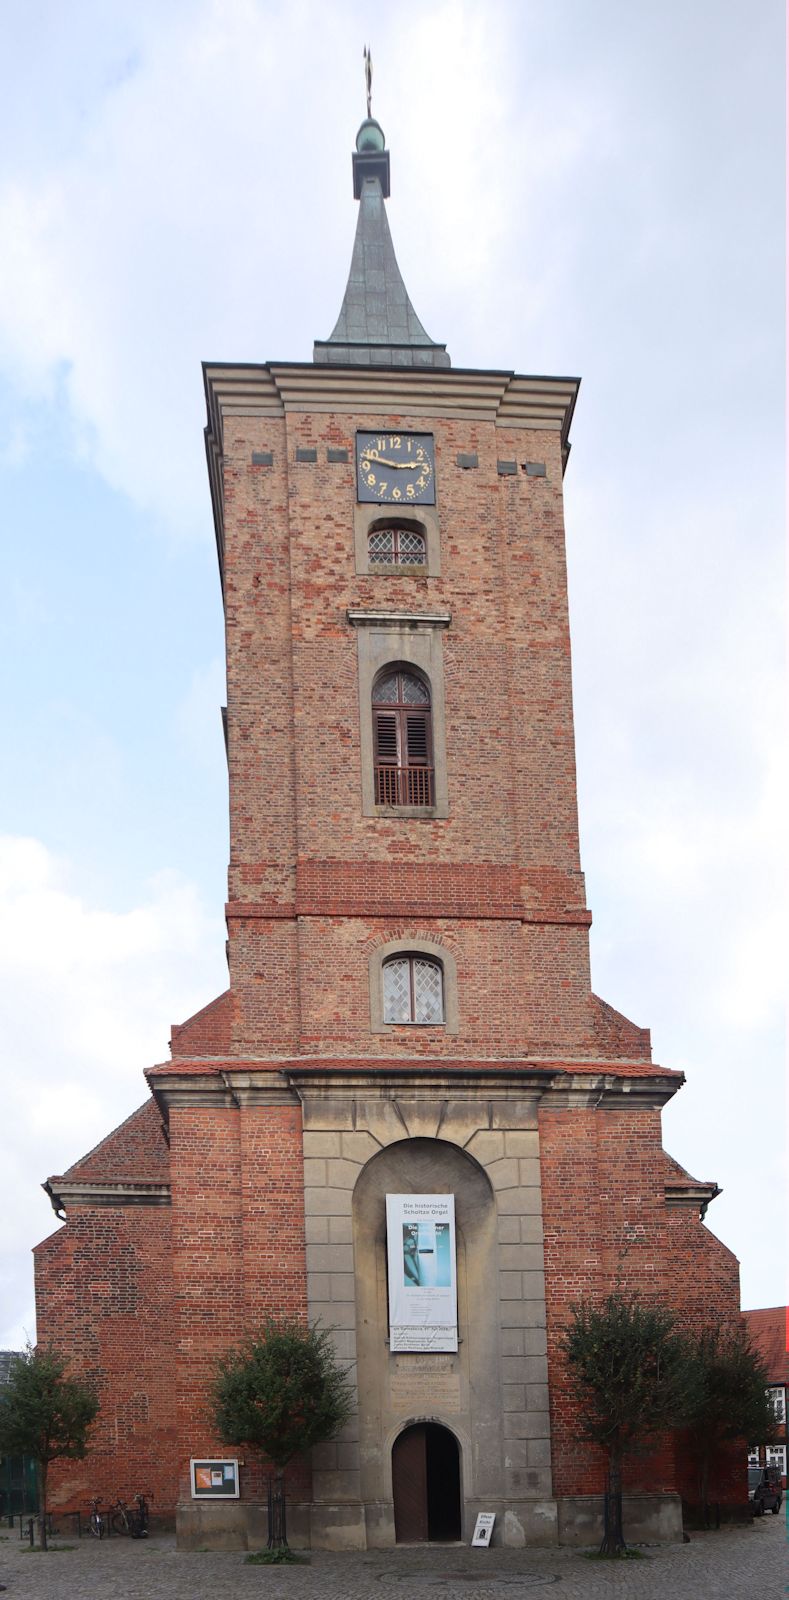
368 77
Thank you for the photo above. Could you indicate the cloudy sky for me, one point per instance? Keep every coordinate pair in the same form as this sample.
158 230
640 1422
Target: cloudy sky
579 186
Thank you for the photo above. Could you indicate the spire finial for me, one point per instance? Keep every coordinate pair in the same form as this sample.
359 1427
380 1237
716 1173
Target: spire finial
368 78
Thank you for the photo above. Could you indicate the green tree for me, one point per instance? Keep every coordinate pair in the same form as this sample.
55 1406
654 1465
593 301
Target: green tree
728 1398
632 1380
282 1393
44 1414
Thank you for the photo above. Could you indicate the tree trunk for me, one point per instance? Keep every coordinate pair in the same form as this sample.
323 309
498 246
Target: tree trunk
277 1529
705 1488
43 1468
613 1538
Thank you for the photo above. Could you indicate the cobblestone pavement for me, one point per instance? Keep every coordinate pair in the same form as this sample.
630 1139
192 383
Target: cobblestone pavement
731 1565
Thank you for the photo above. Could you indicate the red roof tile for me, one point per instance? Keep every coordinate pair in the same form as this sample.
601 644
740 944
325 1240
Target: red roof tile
769 1331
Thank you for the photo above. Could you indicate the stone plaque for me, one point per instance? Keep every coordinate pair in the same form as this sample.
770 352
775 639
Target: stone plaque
425 1392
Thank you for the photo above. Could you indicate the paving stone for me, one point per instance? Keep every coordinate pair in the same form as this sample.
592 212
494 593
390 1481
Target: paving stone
734 1564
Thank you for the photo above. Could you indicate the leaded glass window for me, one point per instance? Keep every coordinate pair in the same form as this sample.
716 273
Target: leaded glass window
413 990
397 547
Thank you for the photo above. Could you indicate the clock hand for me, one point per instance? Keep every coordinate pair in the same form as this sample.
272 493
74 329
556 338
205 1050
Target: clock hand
383 461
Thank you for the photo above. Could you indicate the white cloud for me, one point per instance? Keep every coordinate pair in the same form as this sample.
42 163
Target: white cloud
198 715
88 995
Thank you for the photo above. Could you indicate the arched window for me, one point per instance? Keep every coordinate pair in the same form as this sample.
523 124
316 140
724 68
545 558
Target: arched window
397 547
402 740
413 989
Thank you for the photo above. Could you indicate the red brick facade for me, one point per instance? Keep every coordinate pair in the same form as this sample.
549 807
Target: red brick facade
173 1251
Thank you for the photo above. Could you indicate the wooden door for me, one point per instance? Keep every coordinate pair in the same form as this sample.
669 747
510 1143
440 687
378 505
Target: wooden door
409 1485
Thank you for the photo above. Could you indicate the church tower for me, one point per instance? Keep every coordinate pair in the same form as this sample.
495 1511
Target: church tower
409 1117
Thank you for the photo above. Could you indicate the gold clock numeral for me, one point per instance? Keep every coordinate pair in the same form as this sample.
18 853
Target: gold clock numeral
371 480
382 487
394 441
421 481
410 490
365 465
397 494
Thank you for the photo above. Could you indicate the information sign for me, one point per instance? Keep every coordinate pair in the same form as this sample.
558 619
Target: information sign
420 1235
483 1527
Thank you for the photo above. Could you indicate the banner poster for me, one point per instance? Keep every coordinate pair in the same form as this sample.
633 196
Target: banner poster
420 1239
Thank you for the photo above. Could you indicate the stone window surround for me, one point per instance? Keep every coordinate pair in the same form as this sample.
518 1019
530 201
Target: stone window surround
390 639
413 947
423 518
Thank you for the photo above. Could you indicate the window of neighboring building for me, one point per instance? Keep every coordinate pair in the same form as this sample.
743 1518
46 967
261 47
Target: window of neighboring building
402 738
413 990
753 1455
776 1394
775 1456
397 547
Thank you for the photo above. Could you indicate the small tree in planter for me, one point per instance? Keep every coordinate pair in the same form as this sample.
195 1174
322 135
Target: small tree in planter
45 1415
282 1393
632 1379
728 1398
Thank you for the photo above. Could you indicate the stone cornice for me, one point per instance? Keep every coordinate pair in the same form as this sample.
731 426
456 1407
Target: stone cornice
276 388
613 1091
64 1192
399 619
288 1081
691 1192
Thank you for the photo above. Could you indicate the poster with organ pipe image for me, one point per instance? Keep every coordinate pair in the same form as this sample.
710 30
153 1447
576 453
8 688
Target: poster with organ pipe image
420 1246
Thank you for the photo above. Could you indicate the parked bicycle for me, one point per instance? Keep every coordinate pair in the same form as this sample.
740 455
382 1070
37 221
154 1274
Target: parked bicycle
96 1521
139 1519
121 1517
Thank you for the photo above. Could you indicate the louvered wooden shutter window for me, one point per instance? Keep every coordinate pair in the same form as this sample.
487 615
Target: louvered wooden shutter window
387 766
416 738
403 747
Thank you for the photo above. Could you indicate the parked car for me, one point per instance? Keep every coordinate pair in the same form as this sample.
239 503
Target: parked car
764 1490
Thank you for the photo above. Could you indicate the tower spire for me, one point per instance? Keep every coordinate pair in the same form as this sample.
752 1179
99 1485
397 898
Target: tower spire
368 80
377 325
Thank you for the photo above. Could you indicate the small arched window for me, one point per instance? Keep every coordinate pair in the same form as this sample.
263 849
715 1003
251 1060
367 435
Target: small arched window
402 739
397 547
413 990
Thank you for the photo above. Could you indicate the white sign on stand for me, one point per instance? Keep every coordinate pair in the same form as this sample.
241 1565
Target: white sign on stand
483 1528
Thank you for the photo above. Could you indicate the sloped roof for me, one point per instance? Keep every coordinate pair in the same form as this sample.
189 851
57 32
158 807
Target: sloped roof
136 1149
769 1331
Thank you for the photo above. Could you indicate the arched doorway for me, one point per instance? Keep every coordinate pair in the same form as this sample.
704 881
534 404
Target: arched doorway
426 1484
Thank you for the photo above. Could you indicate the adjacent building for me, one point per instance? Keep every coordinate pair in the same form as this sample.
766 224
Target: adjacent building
769 1333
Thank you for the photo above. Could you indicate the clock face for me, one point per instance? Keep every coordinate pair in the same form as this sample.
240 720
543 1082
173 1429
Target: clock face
395 469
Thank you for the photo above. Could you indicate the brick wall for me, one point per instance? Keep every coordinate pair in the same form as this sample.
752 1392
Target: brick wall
104 1293
315 888
238 1252
606 1220
300 846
